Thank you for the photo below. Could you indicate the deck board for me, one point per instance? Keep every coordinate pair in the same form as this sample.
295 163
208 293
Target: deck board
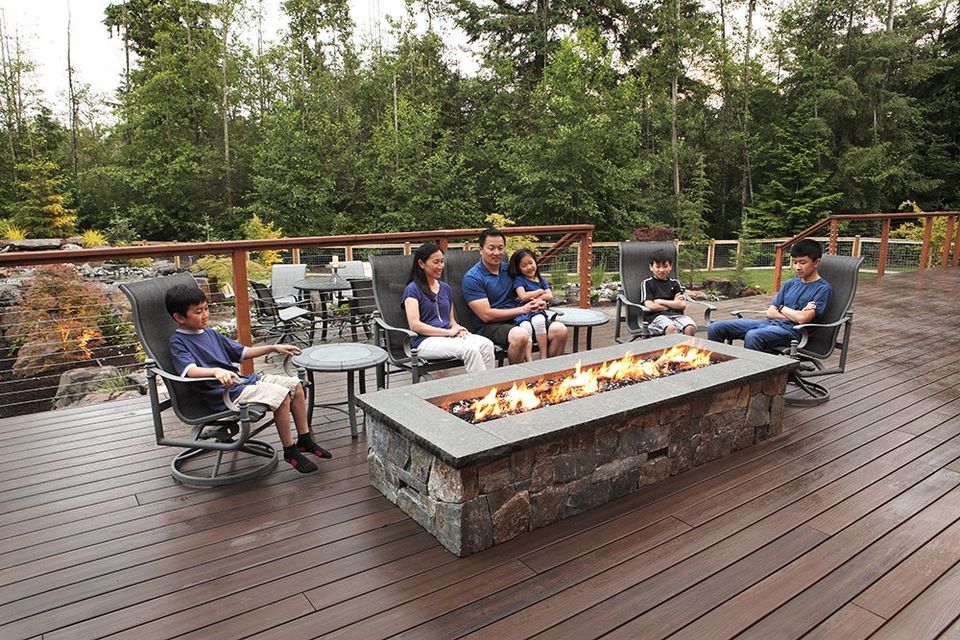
846 525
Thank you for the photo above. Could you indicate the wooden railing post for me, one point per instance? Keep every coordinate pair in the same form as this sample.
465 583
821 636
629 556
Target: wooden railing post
585 260
711 253
925 248
443 244
884 248
834 234
242 301
295 255
406 248
348 251
778 268
855 252
956 245
947 237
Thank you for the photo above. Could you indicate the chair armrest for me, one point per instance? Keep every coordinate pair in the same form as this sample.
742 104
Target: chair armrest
227 400
754 312
389 327
815 325
623 300
709 308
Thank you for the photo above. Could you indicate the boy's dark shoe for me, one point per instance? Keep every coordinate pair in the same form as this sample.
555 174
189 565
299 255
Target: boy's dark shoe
306 444
297 460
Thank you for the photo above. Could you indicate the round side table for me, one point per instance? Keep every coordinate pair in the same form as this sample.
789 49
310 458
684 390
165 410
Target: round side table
576 317
345 357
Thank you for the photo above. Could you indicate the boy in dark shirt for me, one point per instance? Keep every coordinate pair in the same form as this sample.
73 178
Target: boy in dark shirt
801 300
201 352
664 297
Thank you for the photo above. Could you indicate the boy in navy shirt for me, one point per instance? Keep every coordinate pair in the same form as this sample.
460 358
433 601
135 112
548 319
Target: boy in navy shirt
201 352
801 300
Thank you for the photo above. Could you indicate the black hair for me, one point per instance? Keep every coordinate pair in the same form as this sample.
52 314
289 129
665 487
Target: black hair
491 232
181 297
660 256
806 248
417 275
520 254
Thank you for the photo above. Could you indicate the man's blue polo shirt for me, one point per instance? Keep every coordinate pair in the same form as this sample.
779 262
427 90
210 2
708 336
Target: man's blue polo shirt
479 283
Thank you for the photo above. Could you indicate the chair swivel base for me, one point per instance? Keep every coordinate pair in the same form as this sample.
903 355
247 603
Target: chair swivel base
262 454
804 393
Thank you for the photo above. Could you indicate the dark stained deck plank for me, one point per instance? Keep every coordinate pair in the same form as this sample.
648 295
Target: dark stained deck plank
841 527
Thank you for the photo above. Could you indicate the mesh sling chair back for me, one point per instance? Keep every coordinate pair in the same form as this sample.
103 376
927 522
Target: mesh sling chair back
390 329
282 277
282 324
832 331
228 432
631 316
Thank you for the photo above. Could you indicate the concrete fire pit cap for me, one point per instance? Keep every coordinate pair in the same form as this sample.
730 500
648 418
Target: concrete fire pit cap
410 410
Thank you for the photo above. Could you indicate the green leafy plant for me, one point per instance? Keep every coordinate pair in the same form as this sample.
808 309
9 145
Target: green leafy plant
559 278
513 242
257 229
94 238
221 268
914 232
597 274
114 384
12 232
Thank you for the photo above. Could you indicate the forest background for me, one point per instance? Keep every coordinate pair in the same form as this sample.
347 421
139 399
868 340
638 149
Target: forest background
612 112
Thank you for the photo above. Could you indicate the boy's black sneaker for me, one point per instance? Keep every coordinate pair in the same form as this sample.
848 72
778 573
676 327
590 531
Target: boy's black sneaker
297 460
306 444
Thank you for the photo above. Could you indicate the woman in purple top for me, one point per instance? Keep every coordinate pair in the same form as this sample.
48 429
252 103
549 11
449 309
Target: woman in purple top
428 303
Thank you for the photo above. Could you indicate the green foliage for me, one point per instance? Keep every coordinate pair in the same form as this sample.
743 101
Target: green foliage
114 384
559 278
915 231
94 238
12 232
221 268
516 242
597 275
40 209
121 232
256 229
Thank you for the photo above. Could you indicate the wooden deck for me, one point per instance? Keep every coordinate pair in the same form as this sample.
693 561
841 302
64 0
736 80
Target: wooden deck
846 526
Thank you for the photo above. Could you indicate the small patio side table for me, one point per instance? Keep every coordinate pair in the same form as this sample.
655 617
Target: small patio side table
343 357
576 317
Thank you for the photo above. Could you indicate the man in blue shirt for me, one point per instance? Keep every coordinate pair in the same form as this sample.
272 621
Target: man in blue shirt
488 289
801 300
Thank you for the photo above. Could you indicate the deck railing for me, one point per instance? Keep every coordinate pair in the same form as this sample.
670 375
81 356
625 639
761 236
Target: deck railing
238 250
926 259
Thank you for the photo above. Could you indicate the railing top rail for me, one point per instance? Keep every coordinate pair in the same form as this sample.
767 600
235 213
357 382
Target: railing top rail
25 258
863 216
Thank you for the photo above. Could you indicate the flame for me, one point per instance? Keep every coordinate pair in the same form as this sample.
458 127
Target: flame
582 382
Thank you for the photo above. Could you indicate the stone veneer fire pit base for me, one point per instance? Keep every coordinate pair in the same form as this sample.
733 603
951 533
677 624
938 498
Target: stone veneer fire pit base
474 486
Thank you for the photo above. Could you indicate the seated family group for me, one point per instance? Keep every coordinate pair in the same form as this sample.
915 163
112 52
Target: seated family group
508 301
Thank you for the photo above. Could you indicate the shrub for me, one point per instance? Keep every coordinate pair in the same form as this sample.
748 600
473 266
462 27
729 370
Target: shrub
12 232
513 242
256 229
654 234
221 268
94 238
65 310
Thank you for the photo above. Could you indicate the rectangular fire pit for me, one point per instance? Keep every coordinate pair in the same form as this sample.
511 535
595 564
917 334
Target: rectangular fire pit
473 486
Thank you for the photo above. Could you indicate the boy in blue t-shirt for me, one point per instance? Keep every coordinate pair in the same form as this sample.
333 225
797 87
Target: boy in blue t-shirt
801 300
200 352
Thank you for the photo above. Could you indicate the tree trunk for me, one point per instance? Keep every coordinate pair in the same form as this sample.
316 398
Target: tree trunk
225 105
746 191
674 137
126 48
73 101
5 65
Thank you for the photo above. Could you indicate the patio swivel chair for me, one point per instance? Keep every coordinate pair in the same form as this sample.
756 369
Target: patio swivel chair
282 277
282 324
228 435
819 340
631 316
390 329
